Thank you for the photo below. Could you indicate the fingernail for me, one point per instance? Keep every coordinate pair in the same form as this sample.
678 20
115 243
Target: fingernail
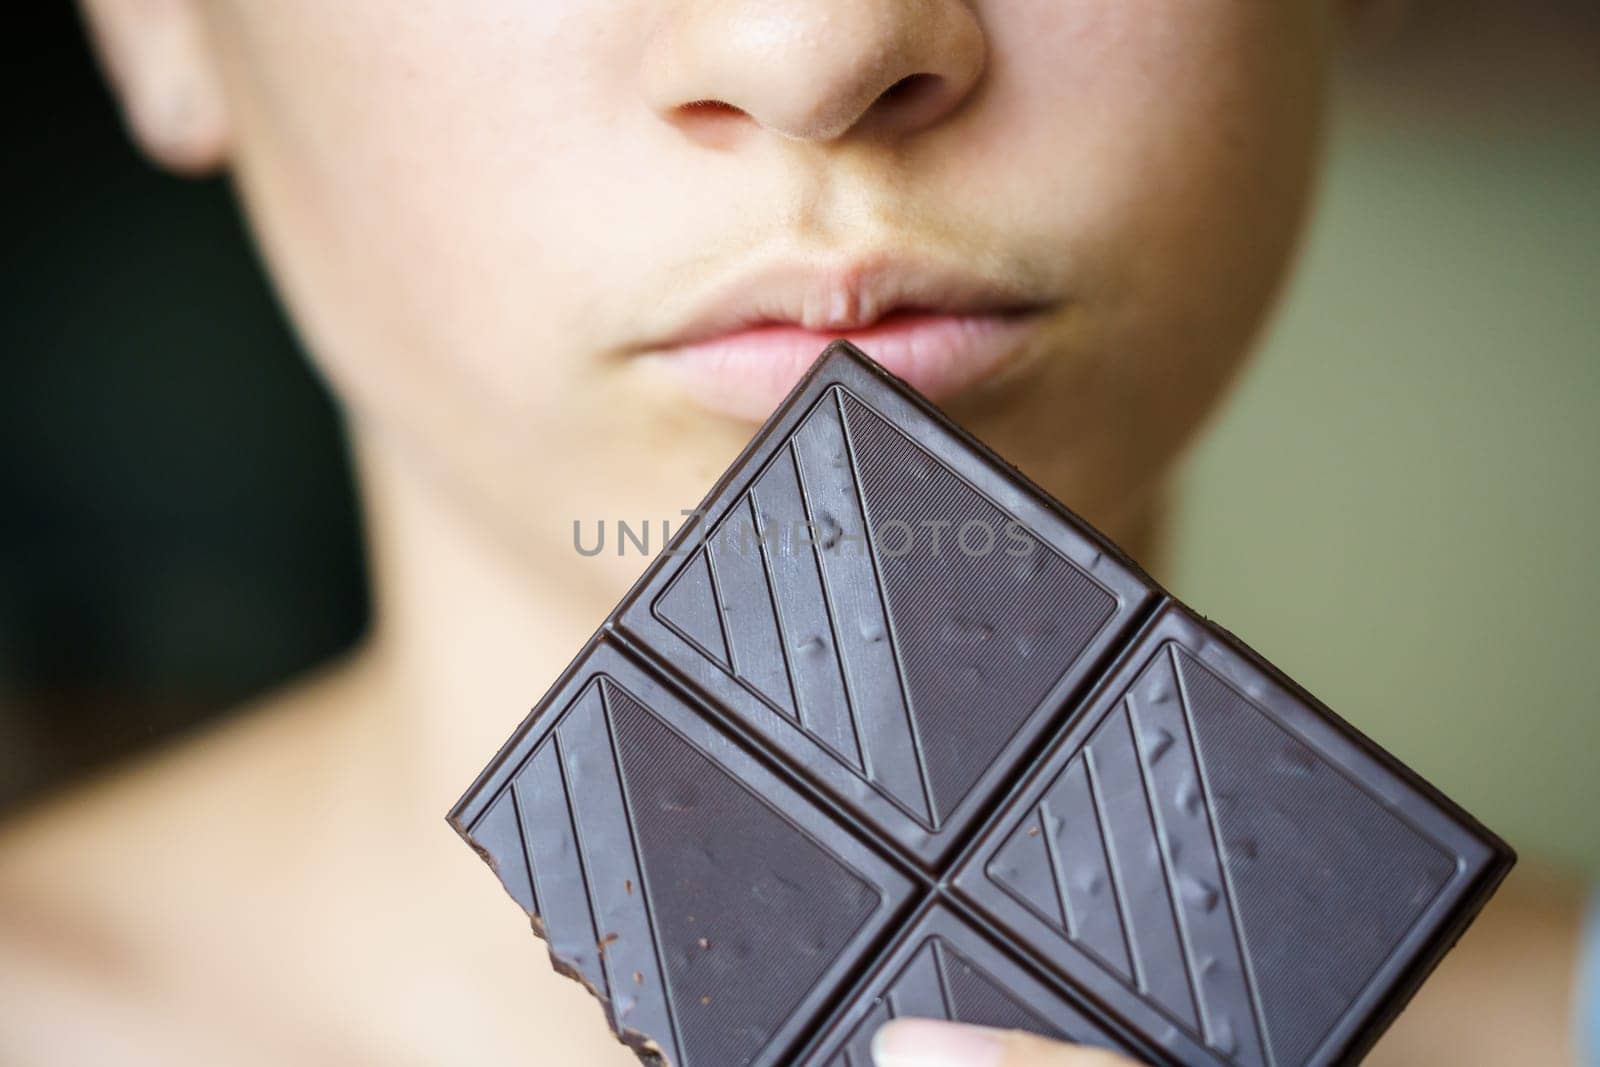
929 1043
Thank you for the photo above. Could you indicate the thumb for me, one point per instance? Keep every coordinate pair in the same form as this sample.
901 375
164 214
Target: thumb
930 1043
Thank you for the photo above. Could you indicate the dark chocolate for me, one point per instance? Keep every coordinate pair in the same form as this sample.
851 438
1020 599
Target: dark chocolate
887 731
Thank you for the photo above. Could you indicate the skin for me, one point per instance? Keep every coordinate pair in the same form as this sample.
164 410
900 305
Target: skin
476 214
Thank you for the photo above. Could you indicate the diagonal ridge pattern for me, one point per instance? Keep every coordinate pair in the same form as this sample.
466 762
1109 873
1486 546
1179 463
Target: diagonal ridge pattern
1372 874
986 618
730 884
789 574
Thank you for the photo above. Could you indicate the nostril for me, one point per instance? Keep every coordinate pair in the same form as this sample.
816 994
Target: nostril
709 122
710 107
909 89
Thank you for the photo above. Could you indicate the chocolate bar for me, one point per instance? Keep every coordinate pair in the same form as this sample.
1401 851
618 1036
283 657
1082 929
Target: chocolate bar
885 730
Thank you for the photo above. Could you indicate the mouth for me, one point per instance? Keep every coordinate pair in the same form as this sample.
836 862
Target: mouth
941 329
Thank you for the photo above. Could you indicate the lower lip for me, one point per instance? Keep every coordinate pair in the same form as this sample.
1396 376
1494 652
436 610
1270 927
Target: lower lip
746 374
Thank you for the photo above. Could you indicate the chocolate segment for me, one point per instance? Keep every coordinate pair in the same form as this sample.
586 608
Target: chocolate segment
943 968
876 585
886 731
1209 848
710 906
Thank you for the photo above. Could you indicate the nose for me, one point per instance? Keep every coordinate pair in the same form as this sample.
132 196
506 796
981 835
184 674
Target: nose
815 70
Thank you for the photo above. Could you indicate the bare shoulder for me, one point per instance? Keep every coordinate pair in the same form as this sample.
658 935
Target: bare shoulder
109 891
162 811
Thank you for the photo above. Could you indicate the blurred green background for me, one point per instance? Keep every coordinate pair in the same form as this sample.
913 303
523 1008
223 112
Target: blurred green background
1399 506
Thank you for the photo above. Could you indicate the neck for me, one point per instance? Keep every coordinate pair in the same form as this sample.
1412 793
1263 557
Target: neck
470 629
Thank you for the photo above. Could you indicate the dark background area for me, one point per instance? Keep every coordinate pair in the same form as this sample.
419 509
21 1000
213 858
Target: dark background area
177 525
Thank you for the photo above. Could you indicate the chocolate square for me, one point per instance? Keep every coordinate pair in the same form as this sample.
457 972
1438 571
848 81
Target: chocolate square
710 906
1210 848
942 967
860 582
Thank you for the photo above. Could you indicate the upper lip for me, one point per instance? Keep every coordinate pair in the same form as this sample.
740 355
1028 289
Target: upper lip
837 294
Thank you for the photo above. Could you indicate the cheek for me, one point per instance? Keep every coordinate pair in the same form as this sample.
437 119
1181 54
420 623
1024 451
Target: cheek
449 210
1216 197
1166 147
1176 136
424 177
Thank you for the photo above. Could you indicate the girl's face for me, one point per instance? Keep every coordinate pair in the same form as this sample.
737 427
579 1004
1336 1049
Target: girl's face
486 216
